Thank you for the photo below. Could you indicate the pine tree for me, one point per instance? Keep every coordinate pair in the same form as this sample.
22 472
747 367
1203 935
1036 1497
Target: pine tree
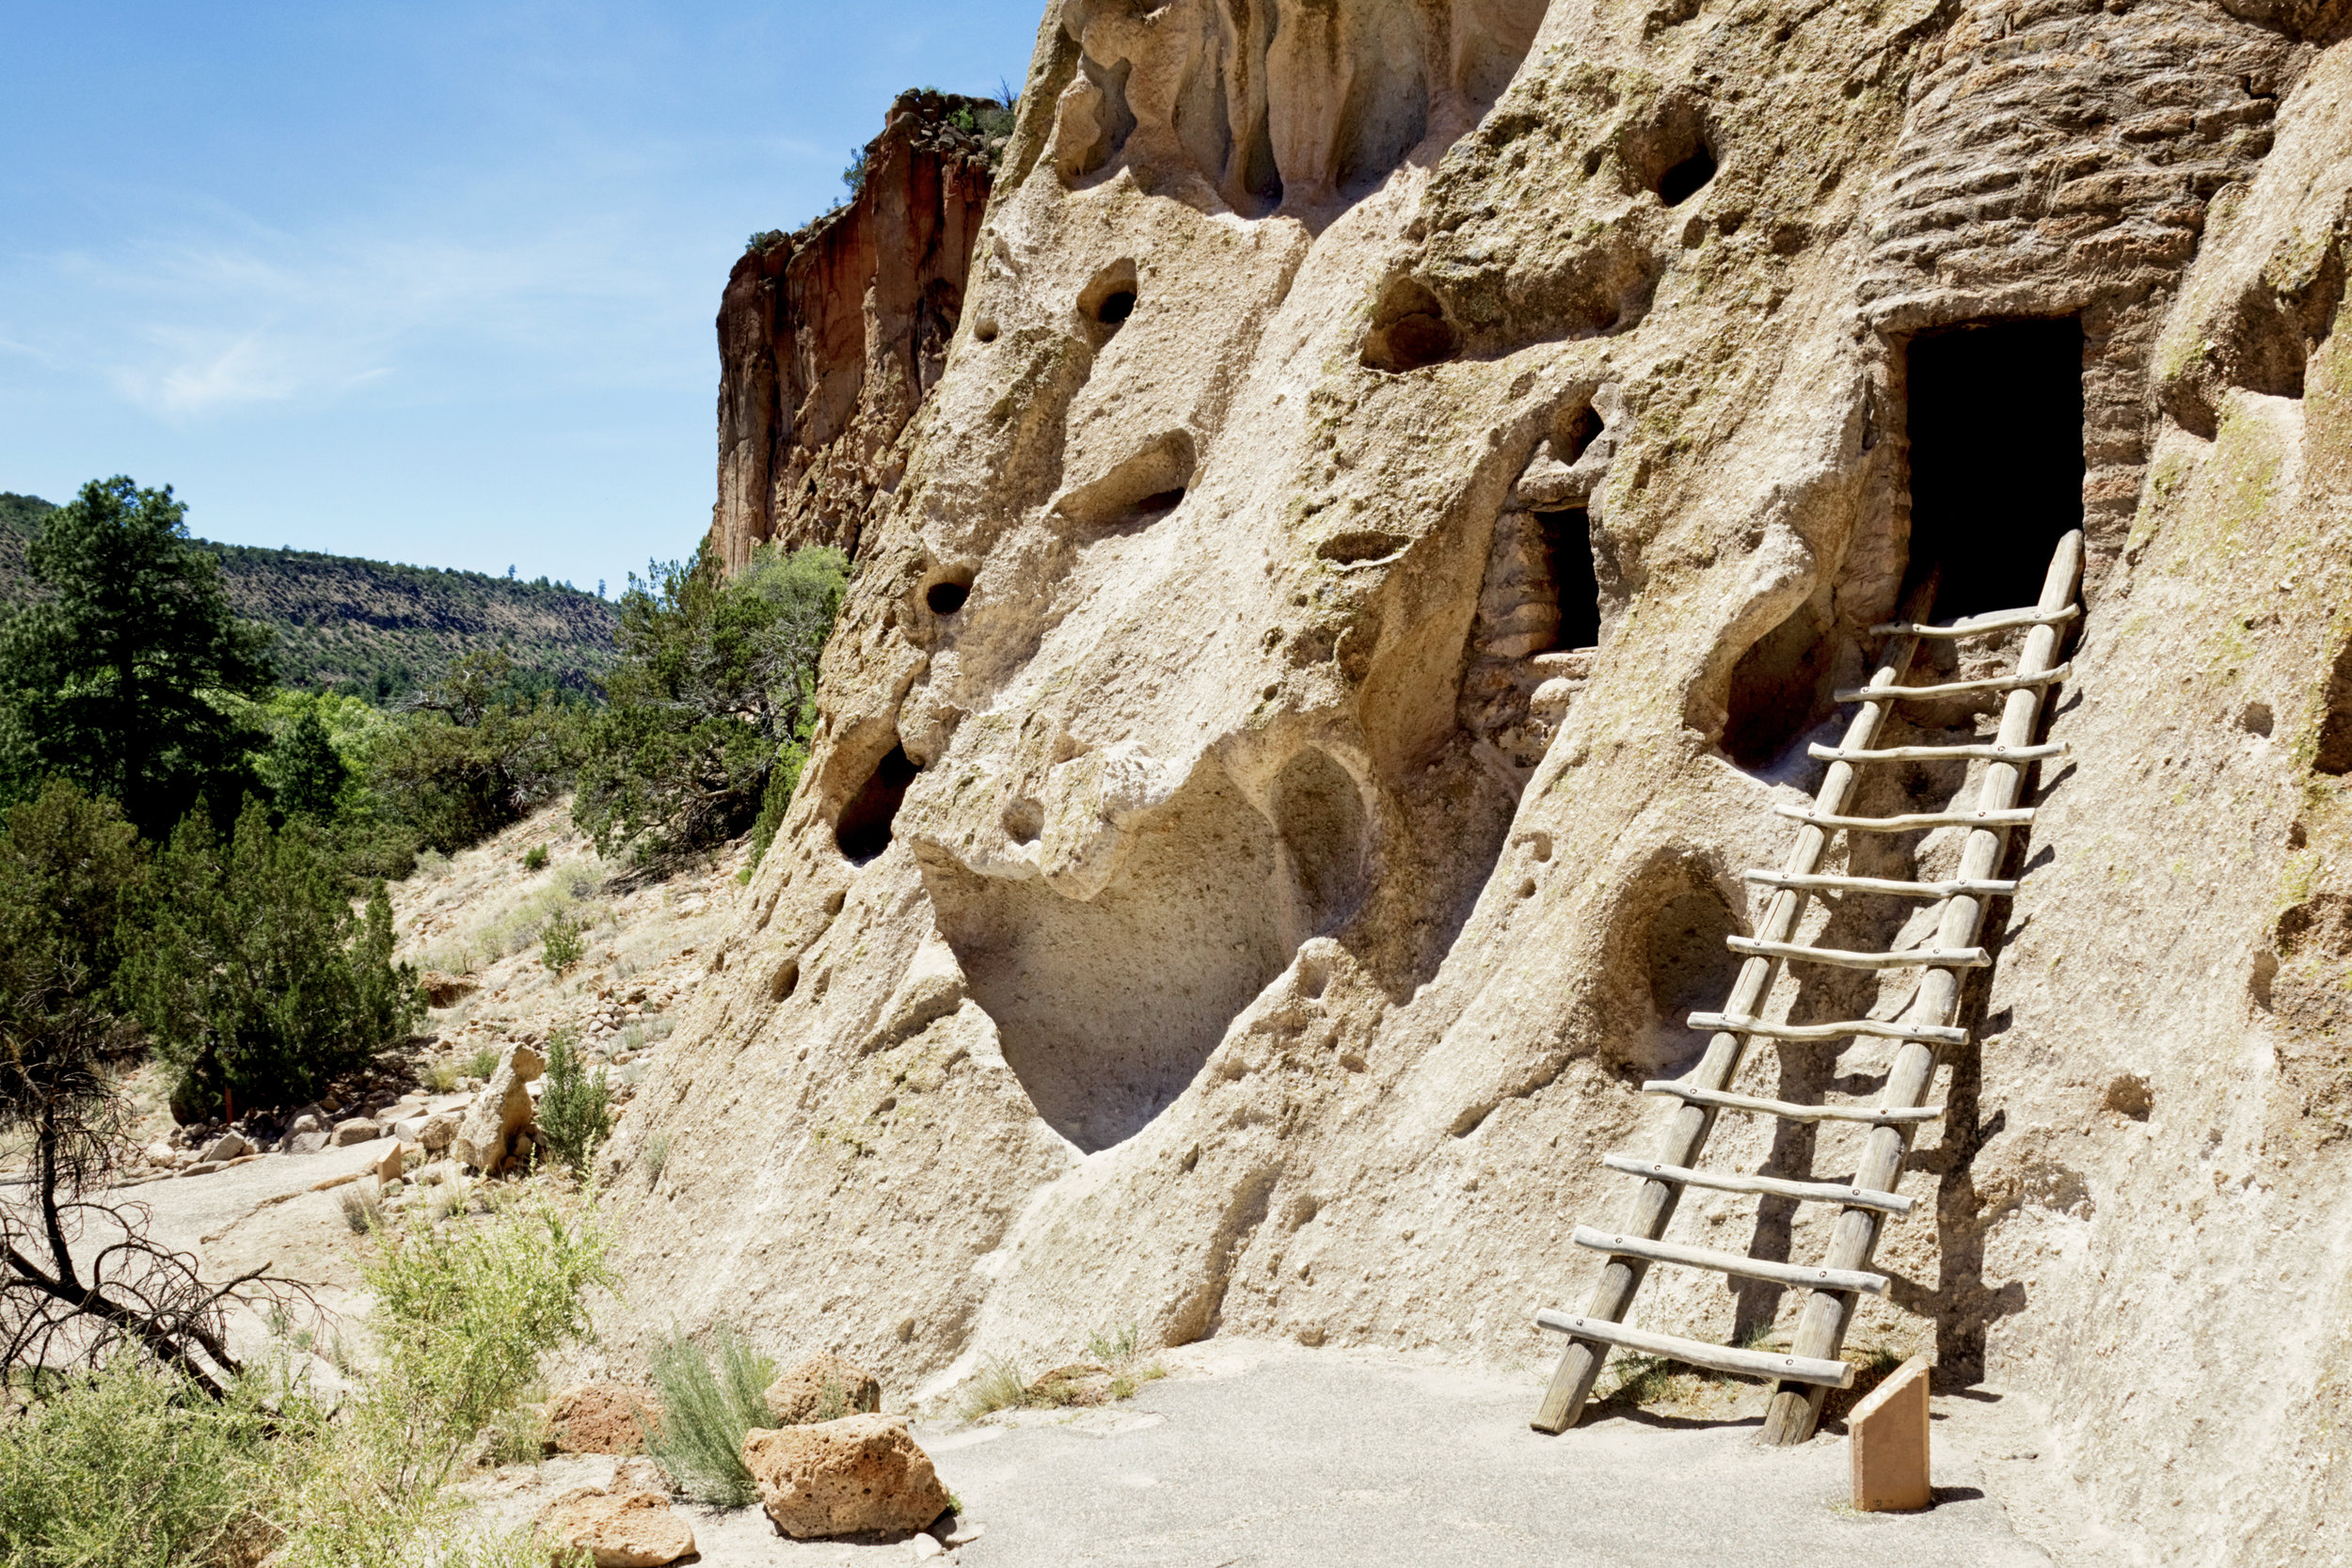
111 676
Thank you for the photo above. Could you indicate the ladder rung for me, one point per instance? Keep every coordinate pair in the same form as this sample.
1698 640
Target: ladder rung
1978 625
1951 688
1981 889
1730 1262
1698 1353
1939 1034
1732 1181
1915 958
1994 752
1724 1099
2016 817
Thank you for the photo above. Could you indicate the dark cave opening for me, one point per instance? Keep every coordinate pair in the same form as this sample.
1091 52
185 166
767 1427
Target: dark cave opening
947 595
1568 553
1995 422
1780 688
2334 755
863 830
1681 183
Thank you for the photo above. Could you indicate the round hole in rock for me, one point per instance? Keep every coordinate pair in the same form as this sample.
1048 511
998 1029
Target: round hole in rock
1689 971
1107 302
1780 688
946 597
1116 307
863 830
1409 330
1681 183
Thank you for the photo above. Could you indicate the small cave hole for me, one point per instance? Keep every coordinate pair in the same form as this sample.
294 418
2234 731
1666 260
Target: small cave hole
783 981
863 830
2130 1098
984 330
1159 503
1572 435
1409 330
1025 820
1995 424
1108 301
947 595
1568 555
1682 181
1691 970
1780 688
2334 757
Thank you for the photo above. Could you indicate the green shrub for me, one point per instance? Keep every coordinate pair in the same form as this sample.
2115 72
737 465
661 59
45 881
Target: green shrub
483 1062
706 1414
576 1107
655 1155
562 947
482 752
712 697
134 1468
535 858
257 978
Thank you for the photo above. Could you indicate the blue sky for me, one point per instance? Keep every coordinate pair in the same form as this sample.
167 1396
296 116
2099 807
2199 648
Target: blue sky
428 282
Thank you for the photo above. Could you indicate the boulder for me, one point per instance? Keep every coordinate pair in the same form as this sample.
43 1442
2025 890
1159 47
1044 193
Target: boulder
601 1417
306 1121
848 1477
358 1129
304 1143
632 1529
227 1147
439 1130
160 1152
445 991
499 1112
821 1389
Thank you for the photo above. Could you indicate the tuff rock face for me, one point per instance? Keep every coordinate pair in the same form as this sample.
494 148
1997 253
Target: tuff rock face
1405 486
828 338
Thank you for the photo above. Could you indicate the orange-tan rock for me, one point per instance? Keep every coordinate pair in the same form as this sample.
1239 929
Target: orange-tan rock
822 1388
619 1530
857 1474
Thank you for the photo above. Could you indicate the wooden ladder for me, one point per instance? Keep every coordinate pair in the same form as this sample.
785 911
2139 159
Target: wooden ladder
1811 1366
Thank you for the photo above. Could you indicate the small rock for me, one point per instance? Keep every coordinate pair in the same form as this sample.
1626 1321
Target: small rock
227 1147
822 1388
620 1530
161 1153
926 1547
843 1477
358 1129
203 1167
309 1121
306 1143
439 1130
602 1418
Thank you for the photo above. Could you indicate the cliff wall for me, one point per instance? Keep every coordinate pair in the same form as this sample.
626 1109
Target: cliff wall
1404 488
829 337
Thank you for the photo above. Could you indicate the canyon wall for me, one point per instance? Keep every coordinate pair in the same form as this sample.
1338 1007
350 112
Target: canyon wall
830 336
1404 488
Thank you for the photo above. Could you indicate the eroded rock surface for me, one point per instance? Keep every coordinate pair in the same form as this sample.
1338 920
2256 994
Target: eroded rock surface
822 1388
828 338
856 1475
1402 497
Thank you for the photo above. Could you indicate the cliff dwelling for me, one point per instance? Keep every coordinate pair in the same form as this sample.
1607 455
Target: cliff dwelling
1408 588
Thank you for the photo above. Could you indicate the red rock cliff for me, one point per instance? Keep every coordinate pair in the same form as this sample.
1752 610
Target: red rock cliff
830 336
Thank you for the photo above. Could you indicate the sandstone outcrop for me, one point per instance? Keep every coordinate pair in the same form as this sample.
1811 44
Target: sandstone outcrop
619 1530
501 1110
1403 496
830 336
846 1477
822 1388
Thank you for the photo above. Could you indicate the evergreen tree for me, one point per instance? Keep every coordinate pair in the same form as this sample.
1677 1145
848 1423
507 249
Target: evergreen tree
310 771
110 677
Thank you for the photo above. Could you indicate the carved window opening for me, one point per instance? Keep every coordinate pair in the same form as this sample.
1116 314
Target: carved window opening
862 831
947 595
1568 558
1995 425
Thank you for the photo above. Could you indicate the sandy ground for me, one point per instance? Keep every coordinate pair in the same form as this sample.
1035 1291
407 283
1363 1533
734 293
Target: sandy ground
1255 1455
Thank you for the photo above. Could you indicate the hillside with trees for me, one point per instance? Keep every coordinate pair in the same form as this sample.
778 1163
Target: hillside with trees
371 628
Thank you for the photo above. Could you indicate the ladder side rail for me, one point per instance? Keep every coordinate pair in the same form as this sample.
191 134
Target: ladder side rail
1822 1325
1654 1206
